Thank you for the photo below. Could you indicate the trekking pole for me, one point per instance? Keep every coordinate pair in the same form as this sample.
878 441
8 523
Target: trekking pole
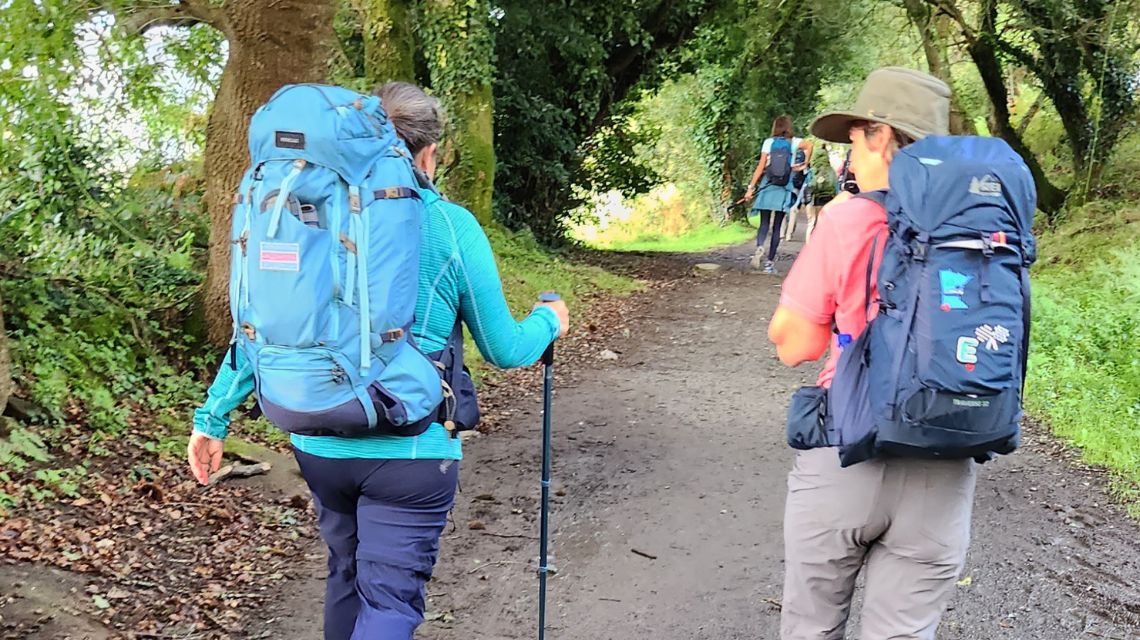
547 393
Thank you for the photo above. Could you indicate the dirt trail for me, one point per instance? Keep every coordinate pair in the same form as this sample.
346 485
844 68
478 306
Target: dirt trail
675 450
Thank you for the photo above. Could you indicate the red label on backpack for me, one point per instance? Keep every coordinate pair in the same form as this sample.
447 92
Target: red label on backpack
280 256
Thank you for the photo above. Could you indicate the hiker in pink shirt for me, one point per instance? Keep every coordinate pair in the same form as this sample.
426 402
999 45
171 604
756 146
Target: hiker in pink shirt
905 522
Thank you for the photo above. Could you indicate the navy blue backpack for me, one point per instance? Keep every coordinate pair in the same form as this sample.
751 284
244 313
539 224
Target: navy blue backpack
939 372
779 169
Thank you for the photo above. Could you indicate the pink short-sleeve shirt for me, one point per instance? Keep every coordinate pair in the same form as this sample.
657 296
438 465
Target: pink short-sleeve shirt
827 282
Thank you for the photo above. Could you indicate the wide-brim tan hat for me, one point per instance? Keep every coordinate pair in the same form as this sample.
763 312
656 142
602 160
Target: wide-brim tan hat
915 103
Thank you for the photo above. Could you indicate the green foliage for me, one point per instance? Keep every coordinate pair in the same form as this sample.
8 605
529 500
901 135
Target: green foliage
556 85
100 233
754 63
1084 374
99 275
745 65
21 447
700 239
527 269
611 158
62 482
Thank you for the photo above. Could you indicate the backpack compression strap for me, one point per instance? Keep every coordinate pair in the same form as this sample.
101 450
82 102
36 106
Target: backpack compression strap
879 197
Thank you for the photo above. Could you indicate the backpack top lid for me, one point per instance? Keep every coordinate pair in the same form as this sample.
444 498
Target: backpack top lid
977 183
782 142
329 126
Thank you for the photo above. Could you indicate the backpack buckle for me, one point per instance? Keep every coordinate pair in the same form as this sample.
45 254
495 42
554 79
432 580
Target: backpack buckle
918 252
242 241
349 245
987 245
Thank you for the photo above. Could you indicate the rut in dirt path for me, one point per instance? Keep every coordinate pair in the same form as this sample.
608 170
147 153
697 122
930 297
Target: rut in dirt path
676 451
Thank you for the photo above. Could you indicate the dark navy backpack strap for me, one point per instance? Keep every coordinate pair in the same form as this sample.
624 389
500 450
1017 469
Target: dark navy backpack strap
870 272
459 410
878 196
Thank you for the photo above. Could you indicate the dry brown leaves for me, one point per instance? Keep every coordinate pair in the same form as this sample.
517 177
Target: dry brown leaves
162 557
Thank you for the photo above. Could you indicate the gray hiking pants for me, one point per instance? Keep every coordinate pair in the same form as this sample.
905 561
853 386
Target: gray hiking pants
905 522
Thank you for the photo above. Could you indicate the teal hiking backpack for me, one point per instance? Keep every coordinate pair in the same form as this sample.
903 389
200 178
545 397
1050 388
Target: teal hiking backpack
325 268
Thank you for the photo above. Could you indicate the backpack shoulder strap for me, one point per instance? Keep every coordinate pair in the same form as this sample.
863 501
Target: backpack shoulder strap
878 196
870 271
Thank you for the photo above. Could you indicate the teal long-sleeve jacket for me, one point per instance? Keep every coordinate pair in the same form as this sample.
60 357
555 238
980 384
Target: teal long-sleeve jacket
458 278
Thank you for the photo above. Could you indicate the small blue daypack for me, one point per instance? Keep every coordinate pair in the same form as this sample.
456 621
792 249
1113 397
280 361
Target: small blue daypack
325 268
938 373
800 177
779 169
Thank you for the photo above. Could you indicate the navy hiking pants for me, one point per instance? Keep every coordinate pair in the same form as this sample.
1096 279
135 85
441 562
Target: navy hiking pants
381 520
766 218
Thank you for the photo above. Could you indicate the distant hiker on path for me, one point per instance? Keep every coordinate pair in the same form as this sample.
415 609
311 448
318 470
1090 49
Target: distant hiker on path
904 521
804 199
776 193
382 500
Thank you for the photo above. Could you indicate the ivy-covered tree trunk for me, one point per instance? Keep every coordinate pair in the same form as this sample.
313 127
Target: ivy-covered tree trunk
460 48
270 44
389 41
1085 62
981 44
1050 199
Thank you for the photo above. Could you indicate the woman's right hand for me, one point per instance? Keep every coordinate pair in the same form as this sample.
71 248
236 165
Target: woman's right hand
559 308
205 456
750 192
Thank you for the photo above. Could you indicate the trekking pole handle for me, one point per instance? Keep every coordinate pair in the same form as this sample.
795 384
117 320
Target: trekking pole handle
548 355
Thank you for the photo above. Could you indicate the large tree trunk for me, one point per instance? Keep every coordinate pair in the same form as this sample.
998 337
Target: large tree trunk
469 151
938 61
460 48
5 364
389 41
1050 199
270 44
981 46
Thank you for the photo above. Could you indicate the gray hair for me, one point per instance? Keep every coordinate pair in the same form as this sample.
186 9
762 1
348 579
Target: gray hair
417 116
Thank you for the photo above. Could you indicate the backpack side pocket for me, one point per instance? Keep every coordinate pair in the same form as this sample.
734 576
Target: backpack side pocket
807 419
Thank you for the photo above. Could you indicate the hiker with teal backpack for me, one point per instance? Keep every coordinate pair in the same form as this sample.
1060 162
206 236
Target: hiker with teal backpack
919 286
351 280
776 193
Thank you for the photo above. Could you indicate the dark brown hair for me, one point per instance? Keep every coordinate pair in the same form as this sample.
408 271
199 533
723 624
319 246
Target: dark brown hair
898 138
782 127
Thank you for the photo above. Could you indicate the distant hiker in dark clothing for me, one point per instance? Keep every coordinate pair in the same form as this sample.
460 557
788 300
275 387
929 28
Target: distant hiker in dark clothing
776 194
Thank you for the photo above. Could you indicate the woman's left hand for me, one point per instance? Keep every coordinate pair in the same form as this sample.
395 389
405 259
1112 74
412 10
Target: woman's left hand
205 456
